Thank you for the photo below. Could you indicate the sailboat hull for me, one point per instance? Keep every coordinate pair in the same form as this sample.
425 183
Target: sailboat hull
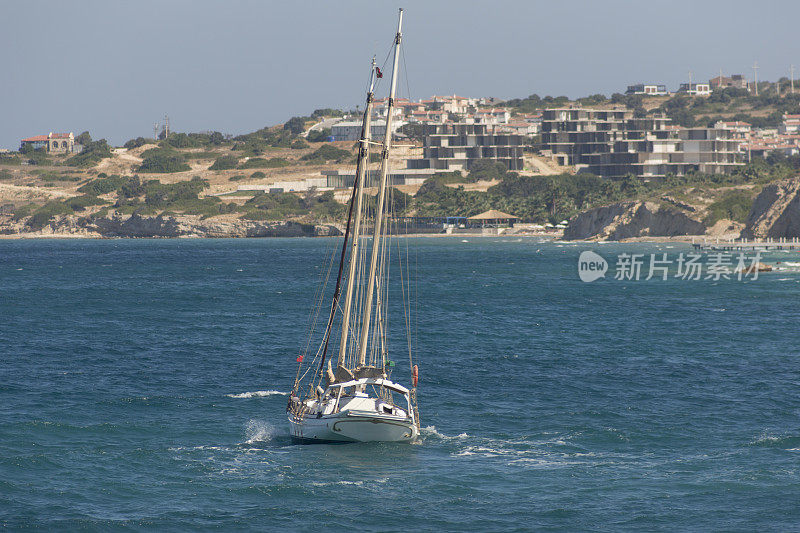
352 427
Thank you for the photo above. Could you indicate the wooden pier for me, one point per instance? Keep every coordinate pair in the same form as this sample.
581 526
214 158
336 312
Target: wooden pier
745 245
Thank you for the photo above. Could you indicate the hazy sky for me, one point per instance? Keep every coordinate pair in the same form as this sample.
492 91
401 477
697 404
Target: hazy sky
114 67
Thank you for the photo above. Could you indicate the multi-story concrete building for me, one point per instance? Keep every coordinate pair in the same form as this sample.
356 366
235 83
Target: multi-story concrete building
457 145
614 143
351 130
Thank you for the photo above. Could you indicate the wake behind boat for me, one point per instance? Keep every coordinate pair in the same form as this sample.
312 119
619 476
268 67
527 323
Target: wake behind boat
358 401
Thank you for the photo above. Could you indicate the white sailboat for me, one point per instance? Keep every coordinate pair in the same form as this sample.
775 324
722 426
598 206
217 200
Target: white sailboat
358 401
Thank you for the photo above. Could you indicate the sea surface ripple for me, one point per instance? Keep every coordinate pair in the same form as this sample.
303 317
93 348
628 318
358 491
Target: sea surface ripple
143 386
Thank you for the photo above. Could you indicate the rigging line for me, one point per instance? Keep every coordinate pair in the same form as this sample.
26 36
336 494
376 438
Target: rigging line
313 321
407 299
315 306
319 295
383 283
403 293
409 330
405 73
381 303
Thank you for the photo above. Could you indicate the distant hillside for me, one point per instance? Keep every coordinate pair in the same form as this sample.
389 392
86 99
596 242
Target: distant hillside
762 111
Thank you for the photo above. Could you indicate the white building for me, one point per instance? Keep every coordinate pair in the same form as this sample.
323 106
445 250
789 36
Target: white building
695 89
289 186
790 125
650 89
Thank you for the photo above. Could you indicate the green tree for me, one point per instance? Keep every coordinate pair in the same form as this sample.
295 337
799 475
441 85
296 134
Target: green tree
92 153
216 138
296 125
322 135
84 138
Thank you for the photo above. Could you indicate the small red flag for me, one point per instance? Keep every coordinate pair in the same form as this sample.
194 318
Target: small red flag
378 72
299 358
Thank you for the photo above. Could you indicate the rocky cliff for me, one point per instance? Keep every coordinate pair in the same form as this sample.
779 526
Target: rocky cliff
632 219
167 226
775 212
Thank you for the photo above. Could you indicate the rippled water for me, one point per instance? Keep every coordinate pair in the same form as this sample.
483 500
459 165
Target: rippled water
142 386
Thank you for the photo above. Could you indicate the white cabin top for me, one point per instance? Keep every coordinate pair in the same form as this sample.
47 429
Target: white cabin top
372 381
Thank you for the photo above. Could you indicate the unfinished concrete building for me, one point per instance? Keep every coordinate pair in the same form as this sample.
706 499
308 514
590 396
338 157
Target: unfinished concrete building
615 143
456 146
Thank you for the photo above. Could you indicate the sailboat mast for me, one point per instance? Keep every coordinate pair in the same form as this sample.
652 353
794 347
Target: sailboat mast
356 191
376 239
363 155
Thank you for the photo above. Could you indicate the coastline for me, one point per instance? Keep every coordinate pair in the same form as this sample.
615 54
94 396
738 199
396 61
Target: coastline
551 236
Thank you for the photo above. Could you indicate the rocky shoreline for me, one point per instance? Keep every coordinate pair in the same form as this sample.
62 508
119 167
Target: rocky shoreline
775 213
163 226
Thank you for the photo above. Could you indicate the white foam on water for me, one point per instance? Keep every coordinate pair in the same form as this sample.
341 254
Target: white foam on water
257 394
259 431
770 439
431 431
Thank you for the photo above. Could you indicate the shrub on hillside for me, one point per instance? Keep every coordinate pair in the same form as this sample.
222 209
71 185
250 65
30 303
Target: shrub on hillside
258 162
102 185
137 142
733 205
36 157
298 144
326 152
10 159
487 170
316 136
91 154
161 160
226 162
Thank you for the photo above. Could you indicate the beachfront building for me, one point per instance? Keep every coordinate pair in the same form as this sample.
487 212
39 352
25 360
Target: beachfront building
450 146
648 89
614 143
52 142
492 219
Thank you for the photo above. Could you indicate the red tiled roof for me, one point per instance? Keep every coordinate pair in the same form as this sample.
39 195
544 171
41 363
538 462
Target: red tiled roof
60 135
35 138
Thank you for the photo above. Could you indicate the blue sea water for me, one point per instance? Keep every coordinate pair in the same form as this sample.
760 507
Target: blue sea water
142 387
